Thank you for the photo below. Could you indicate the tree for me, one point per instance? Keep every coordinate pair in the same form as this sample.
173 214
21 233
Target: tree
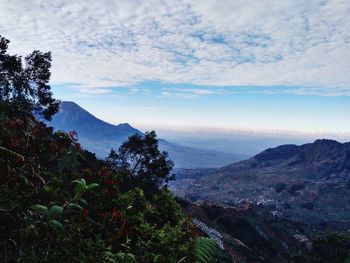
140 160
24 83
61 204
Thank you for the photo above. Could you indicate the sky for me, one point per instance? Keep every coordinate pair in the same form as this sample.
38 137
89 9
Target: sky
241 65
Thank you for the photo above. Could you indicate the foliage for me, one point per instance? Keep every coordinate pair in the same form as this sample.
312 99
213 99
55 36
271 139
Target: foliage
207 251
25 85
331 247
140 160
58 203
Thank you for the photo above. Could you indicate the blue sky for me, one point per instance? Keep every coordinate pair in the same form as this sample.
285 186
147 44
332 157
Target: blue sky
249 65
185 106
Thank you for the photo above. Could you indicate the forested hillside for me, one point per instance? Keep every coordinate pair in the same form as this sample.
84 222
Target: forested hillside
58 203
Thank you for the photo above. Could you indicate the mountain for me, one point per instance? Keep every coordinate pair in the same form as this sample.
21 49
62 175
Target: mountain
100 137
94 134
308 183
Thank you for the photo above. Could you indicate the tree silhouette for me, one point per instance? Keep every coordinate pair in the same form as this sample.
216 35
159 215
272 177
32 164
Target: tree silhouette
25 83
140 160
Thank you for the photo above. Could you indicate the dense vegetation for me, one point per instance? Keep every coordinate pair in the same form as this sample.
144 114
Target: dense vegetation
58 203
330 247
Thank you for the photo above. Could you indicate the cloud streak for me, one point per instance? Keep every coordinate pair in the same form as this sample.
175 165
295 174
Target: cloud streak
104 44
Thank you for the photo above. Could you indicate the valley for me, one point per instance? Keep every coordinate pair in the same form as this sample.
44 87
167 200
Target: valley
308 183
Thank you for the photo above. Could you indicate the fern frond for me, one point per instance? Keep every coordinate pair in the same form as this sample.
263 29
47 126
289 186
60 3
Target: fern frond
207 251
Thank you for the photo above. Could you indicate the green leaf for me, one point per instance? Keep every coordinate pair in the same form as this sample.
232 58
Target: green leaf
41 209
91 186
83 201
80 181
74 206
48 189
80 187
207 250
54 211
56 226
125 257
83 181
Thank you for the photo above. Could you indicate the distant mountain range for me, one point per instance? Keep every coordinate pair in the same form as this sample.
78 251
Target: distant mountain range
100 137
308 183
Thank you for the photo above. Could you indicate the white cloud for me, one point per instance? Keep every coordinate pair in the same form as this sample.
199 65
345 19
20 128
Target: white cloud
183 95
200 91
101 44
95 91
191 93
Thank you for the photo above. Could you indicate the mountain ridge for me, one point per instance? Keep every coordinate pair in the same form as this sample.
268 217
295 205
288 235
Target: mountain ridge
73 117
308 183
100 137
